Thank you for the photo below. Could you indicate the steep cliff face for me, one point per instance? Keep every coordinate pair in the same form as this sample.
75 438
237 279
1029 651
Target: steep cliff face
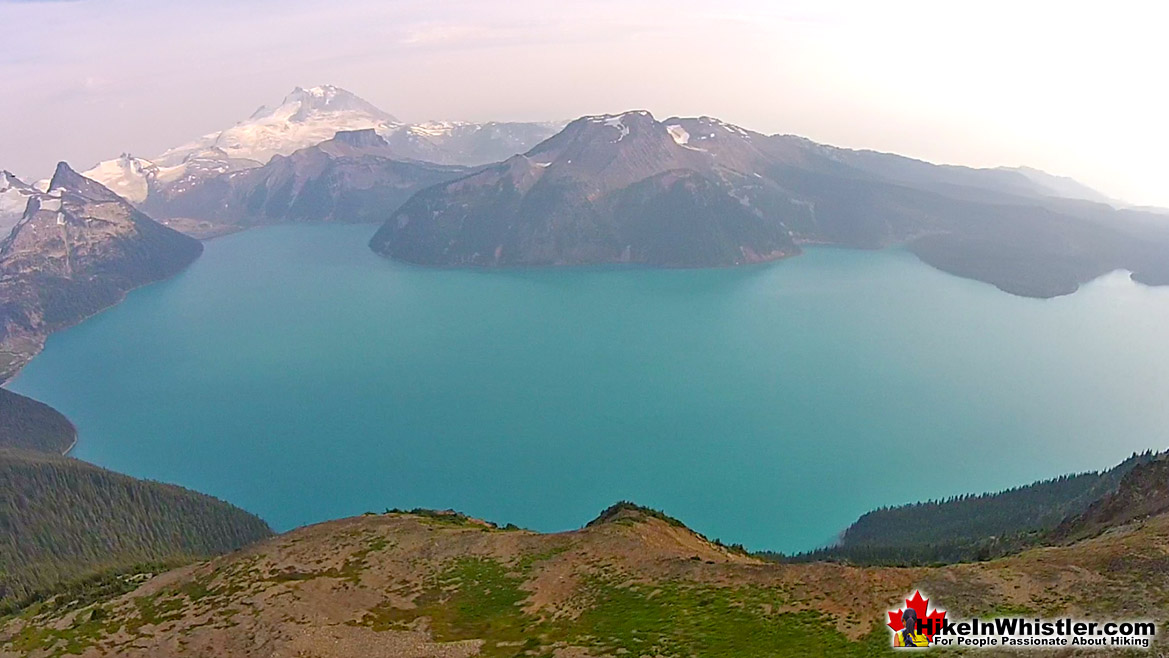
1141 494
78 249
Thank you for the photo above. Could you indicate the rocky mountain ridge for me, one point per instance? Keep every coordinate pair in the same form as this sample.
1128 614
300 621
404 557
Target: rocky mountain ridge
77 249
607 189
305 119
699 192
352 177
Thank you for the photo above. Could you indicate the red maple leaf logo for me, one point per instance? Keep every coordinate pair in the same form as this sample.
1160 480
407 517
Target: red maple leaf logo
919 606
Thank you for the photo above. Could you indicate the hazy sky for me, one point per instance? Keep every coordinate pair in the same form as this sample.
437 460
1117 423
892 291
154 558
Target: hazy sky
1074 88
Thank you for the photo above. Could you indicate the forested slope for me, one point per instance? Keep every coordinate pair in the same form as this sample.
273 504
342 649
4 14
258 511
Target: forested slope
61 518
973 527
26 423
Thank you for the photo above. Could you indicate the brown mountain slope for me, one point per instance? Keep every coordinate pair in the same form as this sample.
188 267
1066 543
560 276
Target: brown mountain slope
632 584
1142 493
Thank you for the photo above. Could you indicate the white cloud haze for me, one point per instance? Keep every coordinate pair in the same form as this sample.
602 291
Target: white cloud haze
1074 88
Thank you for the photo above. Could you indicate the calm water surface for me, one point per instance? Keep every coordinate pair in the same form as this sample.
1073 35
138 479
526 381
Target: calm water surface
295 373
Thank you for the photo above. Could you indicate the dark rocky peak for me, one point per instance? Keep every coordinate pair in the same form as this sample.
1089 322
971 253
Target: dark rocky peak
603 129
736 148
319 155
613 150
623 123
8 181
359 138
65 180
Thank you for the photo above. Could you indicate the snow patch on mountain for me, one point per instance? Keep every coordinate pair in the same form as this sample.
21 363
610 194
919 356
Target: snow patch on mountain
14 196
616 122
306 117
681 137
728 127
437 128
126 176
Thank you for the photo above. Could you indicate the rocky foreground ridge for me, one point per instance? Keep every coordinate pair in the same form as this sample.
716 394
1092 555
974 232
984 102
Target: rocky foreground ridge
633 582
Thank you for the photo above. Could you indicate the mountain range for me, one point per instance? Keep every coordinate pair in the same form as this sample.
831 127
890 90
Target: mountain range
699 192
354 176
304 119
628 188
622 188
310 116
619 188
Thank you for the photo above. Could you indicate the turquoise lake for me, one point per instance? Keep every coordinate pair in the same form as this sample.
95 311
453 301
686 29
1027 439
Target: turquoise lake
295 373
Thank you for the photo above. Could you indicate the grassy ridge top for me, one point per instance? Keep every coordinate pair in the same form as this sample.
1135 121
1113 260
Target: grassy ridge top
404 584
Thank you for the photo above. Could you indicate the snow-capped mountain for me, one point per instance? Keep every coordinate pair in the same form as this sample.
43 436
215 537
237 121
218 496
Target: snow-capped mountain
127 176
468 144
138 179
14 196
352 177
310 116
306 118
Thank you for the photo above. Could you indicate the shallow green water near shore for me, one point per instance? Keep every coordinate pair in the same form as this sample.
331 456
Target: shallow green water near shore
300 376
